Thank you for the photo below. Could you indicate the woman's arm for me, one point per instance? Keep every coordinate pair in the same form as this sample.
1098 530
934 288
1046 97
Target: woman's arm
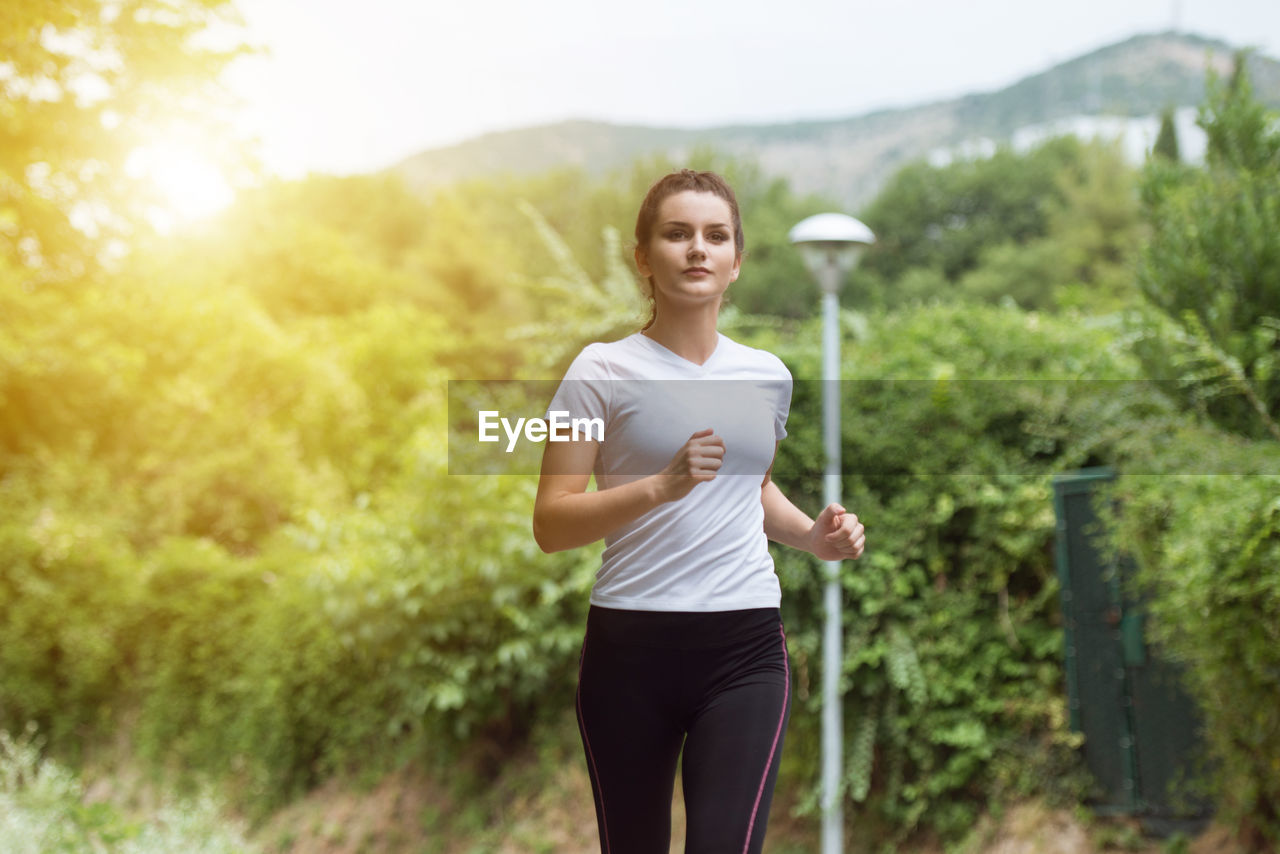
566 516
835 535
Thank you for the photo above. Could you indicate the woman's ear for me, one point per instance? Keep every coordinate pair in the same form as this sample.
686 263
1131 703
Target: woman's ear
642 263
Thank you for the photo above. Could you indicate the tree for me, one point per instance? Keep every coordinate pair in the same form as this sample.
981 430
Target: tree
1207 547
83 82
1211 270
1051 228
1166 145
1085 259
945 217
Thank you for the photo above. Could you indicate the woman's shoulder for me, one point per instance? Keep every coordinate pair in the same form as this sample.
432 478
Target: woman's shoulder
745 356
598 359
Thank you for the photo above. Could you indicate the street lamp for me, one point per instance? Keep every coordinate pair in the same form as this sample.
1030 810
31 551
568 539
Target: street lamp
830 244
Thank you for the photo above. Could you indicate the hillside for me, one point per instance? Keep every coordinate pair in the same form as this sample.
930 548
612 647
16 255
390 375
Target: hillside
848 159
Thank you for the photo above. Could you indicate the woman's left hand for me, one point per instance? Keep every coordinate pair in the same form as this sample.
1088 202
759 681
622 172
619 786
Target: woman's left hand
836 535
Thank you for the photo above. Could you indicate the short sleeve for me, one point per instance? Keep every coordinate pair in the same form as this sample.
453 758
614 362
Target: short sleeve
782 407
584 391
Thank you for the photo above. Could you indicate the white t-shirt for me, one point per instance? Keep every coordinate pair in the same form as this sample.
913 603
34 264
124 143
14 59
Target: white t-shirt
706 551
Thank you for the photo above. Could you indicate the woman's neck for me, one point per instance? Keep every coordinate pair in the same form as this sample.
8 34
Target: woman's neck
690 335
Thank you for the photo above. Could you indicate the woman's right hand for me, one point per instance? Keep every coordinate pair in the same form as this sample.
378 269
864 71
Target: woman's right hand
566 516
696 462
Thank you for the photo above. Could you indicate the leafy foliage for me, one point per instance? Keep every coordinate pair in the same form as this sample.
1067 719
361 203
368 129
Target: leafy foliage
230 525
1166 144
1211 270
43 811
952 673
277 601
1055 228
1207 550
1207 547
942 218
83 82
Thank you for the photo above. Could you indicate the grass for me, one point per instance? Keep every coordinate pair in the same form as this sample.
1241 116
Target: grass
43 810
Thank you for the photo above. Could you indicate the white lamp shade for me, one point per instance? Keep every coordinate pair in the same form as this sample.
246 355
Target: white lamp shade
831 227
830 244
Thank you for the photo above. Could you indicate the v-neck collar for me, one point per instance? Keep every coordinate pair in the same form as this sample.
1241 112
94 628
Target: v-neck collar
686 364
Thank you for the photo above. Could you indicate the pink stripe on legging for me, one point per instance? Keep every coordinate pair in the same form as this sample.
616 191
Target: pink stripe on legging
786 692
595 774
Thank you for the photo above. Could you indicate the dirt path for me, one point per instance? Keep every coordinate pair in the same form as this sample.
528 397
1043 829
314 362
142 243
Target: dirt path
541 813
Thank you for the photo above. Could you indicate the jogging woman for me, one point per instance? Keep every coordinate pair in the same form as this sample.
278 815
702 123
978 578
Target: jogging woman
685 654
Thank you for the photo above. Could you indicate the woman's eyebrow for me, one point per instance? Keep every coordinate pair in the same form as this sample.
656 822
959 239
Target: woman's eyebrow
687 225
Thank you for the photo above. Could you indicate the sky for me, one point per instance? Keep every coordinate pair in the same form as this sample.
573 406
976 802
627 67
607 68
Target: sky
347 87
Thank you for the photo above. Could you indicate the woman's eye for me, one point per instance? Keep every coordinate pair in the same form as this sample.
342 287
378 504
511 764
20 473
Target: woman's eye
675 235
719 236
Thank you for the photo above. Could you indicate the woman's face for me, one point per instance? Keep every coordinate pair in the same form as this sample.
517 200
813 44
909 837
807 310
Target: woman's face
691 255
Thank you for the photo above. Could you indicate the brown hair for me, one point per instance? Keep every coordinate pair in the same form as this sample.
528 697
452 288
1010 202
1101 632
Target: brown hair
679 182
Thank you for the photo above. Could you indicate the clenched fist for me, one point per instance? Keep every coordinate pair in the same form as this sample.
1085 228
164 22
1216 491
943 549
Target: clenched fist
836 535
696 462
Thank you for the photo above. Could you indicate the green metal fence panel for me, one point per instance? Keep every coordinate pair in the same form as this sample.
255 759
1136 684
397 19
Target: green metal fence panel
1094 651
1142 732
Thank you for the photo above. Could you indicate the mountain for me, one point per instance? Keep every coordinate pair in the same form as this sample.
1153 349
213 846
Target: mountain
848 160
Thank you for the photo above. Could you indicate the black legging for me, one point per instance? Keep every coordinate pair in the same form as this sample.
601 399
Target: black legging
716 683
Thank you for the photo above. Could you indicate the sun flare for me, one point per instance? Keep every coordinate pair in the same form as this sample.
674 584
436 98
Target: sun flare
187 184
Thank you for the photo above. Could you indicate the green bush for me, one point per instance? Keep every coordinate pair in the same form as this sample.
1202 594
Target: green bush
43 811
65 590
228 524
406 629
954 420
1207 547
1205 531
1210 271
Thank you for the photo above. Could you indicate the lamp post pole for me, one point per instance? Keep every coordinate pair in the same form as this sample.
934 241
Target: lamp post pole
832 636
830 244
